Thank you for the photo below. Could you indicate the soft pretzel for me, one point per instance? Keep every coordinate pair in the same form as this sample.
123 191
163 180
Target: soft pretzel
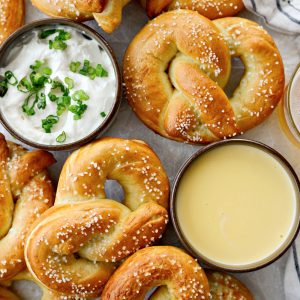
25 192
158 266
108 13
212 9
11 17
177 65
72 250
226 287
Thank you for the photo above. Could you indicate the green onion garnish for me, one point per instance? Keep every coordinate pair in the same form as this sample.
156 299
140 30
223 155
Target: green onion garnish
11 78
74 66
78 110
27 109
59 41
46 33
70 82
62 137
103 114
100 71
3 86
62 104
41 103
24 85
37 65
88 70
80 95
49 122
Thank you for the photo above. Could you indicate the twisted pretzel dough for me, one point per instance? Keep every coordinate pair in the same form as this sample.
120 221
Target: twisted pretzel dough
177 65
226 287
12 14
98 232
23 178
158 266
211 9
108 13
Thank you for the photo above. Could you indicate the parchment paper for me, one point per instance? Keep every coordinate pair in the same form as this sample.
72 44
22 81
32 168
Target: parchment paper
266 284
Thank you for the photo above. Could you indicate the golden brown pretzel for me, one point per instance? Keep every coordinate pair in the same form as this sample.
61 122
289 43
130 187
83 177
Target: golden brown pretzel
11 17
177 65
212 9
108 13
99 232
25 192
158 266
226 287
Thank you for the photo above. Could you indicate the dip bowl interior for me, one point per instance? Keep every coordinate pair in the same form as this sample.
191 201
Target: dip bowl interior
210 261
11 48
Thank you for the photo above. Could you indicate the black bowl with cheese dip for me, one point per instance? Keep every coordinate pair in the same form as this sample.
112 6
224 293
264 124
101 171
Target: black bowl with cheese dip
60 84
235 205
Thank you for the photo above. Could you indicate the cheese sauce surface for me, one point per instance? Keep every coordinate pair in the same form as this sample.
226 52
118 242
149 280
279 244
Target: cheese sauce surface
101 91
236 205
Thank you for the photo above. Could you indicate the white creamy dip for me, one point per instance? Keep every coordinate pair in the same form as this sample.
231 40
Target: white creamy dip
101 91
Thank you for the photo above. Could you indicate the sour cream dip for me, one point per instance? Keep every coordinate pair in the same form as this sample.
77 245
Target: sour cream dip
61 86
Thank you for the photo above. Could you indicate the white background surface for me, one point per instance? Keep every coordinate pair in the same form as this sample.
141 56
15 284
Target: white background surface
266 284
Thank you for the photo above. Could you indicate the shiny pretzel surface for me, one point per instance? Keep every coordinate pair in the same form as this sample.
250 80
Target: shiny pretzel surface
25 193
176 67
74 248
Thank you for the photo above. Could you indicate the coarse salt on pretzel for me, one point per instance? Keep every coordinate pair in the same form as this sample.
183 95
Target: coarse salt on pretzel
73 249
12 14
176 67
180 274
25 192
212 9
108 13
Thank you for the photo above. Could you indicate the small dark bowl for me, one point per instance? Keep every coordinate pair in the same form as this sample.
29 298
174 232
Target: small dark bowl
89 33
185 241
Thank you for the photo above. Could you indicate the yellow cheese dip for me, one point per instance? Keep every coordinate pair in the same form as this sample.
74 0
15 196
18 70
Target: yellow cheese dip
237 206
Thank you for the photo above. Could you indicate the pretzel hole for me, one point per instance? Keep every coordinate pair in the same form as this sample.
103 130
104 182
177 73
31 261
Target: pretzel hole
114 190
237 73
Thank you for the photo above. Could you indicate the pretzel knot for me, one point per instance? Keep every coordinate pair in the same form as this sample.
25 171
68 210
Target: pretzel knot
176 67
108 13
180 274
74 248
25 192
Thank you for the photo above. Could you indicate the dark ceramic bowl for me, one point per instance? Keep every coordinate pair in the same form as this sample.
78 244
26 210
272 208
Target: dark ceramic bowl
185 241
88 32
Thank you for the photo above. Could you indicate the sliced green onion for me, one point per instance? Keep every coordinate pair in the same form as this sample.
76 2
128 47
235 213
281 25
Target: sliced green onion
47 71
80 95
57 45
78 110
74 66
41 104
52 97
37 65
103 114
11 78
49 122
63 104
24 85
70 82
3 86
62 137
100 71
27 109
46 33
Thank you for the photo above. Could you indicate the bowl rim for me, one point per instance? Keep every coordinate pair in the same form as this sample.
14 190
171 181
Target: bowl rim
106 47
173 213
